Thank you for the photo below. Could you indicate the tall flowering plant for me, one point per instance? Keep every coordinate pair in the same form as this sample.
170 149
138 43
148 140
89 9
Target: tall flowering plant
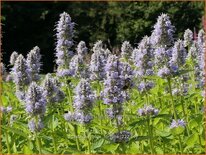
83 104
21 75
78 66
34 64
114 95
98 62
64 53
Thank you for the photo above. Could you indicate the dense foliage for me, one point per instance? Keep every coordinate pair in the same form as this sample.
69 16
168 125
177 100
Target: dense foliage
27 24
148 99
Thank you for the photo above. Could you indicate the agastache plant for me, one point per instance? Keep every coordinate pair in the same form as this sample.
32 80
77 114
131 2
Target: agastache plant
21 76
35 106
82 49
201 37
64 53
162 57
163 32
34 64
143 59
192 53
144 62
13 58
200 68
35 100
98 62
127 75
188 38
113 93
177 63
147 110
78 66
51 90
179 55
83 103
126 50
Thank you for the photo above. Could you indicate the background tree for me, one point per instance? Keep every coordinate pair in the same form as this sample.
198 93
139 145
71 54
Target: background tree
27 24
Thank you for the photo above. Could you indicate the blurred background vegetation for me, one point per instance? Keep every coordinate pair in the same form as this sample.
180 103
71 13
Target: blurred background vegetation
27 24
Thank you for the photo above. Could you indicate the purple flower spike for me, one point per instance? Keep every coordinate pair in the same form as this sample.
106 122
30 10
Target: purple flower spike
34 64
65 33
35 100
162 34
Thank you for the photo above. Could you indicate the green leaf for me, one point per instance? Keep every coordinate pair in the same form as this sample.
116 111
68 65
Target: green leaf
27 150
133 149
191 141
55 123
111 147
177 130
137 123
4 100
163 133
16 131
193 124
98 144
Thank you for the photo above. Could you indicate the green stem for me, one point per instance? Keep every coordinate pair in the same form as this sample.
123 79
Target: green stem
163 148
183 109
53 136
170 91
123 148
180 143
7 143
88 141
150 135
185 116
199 140
68 92
38 143
76 136
54 142
118 127
175 114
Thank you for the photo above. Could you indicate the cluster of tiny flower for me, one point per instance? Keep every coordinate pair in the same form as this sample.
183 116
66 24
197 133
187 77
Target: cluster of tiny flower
65 33
77 66
188 38
126 50
179 55
118 79
163 32
98 61
51 90
35 103
143 58
33 63
83 103
121 137
147 110
177 123
21 75
6 110
145 86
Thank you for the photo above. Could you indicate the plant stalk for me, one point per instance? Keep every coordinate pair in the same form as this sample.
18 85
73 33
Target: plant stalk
76 136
